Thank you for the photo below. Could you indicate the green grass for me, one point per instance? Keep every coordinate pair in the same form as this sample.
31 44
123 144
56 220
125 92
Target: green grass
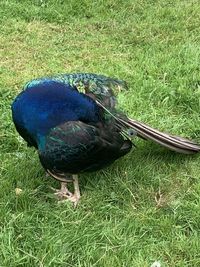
154 45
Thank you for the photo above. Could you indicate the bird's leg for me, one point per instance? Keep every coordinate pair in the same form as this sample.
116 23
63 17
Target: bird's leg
76 196
64 193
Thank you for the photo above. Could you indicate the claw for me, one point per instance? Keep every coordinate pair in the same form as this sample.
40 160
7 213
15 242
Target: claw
61 195
63 192
74 199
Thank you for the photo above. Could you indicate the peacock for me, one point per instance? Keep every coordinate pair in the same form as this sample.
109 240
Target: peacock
73 122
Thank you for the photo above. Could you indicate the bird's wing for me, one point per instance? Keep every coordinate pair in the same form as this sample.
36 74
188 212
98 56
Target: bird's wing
75 146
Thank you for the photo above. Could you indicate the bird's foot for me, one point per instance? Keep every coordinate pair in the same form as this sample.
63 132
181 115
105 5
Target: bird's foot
63 192
67 196
74 198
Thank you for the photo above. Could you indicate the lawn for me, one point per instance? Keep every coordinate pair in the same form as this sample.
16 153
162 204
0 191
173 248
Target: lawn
146 206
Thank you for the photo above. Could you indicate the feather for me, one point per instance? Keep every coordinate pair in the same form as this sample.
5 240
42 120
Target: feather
74 147
99 86
172 142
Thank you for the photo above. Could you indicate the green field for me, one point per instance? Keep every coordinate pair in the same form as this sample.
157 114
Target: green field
146 206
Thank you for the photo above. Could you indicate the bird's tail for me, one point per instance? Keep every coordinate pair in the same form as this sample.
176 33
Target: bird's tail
172 142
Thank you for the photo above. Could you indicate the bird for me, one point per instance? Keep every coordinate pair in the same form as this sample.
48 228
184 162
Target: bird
73 122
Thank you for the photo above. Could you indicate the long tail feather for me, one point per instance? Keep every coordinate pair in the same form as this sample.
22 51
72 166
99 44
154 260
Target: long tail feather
176 143
172 142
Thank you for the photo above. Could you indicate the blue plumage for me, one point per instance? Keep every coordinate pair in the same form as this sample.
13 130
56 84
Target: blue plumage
47 104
